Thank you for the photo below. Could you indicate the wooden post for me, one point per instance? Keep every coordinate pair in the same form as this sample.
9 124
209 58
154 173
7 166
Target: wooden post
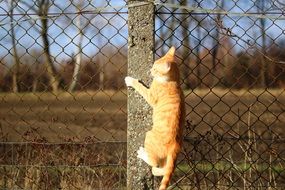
140 60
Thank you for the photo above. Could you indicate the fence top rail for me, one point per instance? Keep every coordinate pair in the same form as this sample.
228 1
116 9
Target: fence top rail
275 15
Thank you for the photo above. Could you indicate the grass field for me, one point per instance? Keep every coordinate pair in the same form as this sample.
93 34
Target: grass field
103 114
63 116
231 134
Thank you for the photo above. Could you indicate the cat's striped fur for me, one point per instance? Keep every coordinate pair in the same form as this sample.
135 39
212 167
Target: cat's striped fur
163 141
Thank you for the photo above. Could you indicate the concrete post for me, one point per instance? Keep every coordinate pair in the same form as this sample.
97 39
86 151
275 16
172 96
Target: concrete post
140 60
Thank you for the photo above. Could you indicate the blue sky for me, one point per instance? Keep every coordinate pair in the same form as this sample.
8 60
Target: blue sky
109 30
63 34
247 28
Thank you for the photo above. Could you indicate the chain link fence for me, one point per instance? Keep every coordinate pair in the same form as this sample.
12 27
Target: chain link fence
63 118
63 100
232 68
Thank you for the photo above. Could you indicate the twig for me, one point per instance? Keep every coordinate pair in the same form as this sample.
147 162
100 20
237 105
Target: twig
228 32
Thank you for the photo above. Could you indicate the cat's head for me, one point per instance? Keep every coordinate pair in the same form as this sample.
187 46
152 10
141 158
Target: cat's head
165 68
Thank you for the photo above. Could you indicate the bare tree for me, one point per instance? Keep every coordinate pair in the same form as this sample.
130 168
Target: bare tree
263 74
36 68
16 65
78 58
216 37
82 23
186 46
43 13
102 69
171 28
198 59
198 46
41 8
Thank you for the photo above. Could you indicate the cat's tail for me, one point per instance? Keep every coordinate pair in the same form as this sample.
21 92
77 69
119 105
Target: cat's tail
168 170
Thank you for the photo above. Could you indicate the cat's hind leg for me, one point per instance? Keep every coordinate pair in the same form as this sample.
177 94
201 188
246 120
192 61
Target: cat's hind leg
158 171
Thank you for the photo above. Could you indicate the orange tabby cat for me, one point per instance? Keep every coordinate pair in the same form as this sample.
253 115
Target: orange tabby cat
163 141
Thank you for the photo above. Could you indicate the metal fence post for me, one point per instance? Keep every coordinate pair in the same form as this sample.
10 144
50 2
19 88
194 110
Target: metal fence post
140 60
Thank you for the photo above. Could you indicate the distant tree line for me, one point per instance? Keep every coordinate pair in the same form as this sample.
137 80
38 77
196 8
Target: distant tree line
239 69
33 76
217 64
233 70
209 55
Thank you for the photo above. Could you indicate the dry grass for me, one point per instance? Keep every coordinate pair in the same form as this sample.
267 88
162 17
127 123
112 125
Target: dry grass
219 118
64 115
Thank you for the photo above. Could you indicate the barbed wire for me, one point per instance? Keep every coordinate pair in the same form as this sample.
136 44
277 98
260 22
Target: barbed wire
242 138
222 12
61 166
192 9
61 143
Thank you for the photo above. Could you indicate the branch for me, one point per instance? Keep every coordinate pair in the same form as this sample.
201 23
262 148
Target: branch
30 7
228 32
28 17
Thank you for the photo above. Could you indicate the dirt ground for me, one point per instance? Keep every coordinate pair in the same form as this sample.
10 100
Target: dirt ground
64 116
221 125
103 115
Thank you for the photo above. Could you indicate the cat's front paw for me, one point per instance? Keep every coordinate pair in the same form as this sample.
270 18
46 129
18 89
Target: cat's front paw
129 81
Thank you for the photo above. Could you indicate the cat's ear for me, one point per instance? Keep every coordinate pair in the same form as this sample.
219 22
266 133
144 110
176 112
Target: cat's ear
165 67
171 51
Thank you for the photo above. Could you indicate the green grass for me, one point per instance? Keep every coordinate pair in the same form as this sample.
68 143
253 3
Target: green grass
222 166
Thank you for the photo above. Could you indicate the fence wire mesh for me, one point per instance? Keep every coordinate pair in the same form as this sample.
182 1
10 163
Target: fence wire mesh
63 119
233 74
63 100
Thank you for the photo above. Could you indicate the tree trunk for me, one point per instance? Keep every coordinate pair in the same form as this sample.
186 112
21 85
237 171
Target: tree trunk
36 77
216 42
16 66
51 71
78 55
198 46
76 70
263 69
198 59
186 49
171 29
101 69
101 76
